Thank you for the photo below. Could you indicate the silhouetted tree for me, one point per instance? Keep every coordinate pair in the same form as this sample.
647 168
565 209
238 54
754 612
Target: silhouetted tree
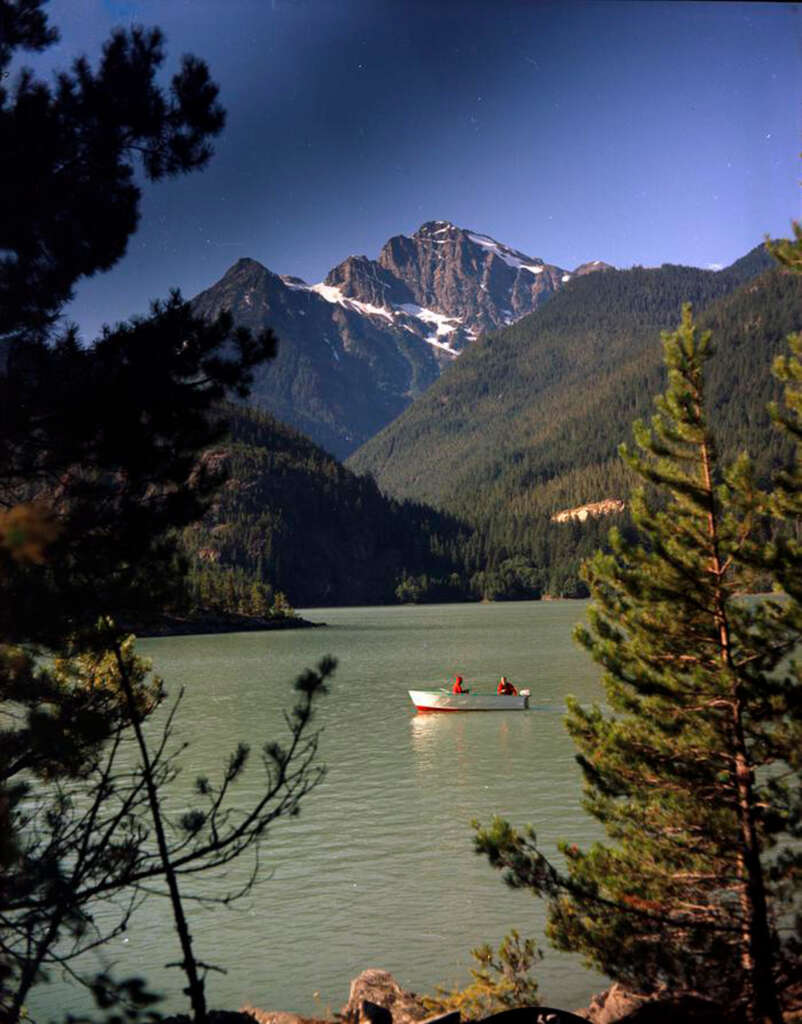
101 461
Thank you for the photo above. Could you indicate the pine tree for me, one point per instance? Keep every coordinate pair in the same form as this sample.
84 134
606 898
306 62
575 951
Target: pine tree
694 770
100 464
787 496
502 981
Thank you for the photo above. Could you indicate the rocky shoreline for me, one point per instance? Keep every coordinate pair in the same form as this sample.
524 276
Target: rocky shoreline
376 998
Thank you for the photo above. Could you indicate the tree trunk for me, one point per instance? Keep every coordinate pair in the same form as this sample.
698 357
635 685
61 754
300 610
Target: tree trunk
189 964
757 958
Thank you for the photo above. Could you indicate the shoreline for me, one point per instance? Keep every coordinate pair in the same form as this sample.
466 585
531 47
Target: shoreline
175 625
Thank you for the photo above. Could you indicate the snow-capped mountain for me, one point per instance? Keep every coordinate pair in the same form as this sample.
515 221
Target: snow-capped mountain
464 274
356 348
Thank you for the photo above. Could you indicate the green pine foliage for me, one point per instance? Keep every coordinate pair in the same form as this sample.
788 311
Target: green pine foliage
502 981
99 450
694 766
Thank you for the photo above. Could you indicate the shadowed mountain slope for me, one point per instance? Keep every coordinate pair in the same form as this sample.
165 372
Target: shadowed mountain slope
290 518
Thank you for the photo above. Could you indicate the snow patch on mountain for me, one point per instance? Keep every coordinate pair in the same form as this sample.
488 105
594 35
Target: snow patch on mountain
445 324
513 258
442 345
334 295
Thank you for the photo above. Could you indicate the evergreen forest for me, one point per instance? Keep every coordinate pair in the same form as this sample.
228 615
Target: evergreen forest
525 424
292 525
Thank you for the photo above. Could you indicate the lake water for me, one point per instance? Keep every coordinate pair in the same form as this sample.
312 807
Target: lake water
378 870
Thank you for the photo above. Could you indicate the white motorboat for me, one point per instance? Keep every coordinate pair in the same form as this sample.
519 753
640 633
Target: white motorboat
445 700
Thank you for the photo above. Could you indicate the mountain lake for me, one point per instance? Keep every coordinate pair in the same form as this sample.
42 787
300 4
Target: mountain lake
378 870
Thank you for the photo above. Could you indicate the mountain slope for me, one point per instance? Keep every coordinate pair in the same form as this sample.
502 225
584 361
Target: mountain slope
530 417
341 373
356 349
568 384
291 518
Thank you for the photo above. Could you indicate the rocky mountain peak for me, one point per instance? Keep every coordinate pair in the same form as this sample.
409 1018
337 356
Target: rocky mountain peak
458 272
368 281
435 227
247 272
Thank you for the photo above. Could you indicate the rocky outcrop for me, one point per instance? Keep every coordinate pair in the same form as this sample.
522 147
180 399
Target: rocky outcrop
367 281
377 998
619 1005
461 273
612 1005
379 988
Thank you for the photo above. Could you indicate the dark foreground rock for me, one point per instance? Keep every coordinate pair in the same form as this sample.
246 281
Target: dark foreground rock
618 1005
249 1014
376 997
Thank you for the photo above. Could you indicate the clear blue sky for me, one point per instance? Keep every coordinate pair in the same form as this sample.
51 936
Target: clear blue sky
633 132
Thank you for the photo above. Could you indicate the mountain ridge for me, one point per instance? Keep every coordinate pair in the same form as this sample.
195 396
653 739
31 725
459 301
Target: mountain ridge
588 362
516 391
358 347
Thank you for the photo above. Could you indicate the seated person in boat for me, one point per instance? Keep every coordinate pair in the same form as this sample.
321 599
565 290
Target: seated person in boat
506 687
458 687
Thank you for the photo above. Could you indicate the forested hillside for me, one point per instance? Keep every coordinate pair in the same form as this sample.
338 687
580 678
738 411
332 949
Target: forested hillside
539 390
291 520
529 420
527 423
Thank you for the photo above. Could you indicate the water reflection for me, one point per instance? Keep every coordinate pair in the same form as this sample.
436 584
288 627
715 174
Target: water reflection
469 745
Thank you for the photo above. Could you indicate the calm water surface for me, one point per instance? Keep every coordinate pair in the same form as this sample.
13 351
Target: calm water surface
378 870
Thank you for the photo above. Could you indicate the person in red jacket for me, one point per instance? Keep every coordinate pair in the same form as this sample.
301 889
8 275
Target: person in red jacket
457 687
506 687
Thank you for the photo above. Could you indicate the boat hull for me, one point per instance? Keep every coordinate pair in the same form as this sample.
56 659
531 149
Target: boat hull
441 700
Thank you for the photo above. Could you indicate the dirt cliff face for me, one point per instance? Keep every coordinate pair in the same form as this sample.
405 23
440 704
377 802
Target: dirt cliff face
594 510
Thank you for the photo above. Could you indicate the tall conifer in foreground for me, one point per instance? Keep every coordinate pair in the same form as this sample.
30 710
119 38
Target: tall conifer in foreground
101 461
694 770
